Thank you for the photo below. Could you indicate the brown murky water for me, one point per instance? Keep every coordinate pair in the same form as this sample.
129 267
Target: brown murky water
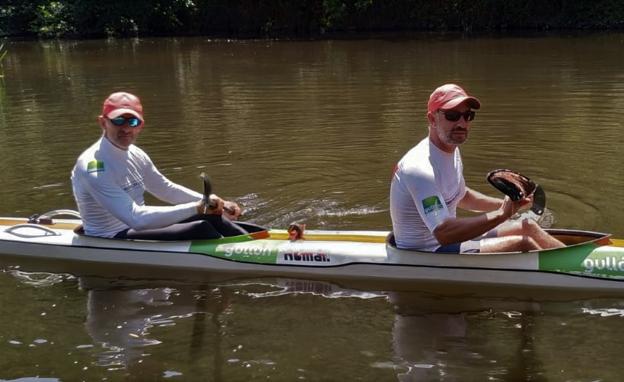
309 131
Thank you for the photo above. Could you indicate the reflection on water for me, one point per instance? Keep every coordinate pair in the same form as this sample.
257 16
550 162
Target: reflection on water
288 329
206 327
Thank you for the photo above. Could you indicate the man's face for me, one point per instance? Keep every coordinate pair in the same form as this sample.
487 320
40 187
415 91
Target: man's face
446 133
121 136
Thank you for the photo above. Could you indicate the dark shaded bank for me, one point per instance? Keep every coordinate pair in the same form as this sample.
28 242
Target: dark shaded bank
297 18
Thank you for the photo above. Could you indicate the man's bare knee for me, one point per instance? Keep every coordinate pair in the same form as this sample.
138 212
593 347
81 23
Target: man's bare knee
532 227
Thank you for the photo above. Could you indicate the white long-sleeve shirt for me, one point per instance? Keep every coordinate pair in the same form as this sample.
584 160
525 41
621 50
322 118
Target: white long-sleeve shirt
109 184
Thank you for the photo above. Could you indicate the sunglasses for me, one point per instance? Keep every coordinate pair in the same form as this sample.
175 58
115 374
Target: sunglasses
120 121
454 115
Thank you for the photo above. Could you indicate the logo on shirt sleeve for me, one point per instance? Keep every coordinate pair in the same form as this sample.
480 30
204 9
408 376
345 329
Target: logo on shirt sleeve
432 204
95 166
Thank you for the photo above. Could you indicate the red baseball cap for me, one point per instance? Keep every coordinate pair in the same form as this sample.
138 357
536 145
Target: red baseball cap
121 103
448 96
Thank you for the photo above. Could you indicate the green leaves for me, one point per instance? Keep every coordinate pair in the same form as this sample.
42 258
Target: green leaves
52 20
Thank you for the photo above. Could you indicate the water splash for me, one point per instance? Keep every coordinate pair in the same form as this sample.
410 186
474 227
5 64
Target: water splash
40 279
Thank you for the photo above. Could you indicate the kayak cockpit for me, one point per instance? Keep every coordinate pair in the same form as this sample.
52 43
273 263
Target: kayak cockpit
42 224
569 237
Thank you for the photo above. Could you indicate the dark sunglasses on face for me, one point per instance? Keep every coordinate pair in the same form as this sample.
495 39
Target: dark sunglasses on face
454 115
120 121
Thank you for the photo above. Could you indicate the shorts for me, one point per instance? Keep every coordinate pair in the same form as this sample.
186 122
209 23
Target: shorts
469 246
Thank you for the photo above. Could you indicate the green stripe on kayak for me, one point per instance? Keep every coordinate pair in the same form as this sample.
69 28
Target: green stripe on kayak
239 248
588 259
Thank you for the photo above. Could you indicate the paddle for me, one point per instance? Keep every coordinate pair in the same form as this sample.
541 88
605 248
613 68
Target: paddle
208 191
518 186
207 188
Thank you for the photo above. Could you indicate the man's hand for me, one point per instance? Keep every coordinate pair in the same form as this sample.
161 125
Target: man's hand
509 207
214 207
231 210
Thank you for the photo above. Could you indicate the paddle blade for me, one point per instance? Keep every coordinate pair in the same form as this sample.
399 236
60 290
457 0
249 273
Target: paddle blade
518 186
539 200
511 183
207 185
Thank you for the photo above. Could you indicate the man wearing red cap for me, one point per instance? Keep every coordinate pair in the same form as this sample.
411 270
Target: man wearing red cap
110 178
428 186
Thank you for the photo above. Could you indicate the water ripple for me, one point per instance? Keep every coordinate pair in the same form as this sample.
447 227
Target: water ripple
604 312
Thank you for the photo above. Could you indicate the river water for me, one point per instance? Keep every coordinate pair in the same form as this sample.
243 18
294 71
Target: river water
309 131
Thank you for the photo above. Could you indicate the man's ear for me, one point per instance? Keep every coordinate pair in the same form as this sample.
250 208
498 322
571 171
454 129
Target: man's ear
430 118
101 121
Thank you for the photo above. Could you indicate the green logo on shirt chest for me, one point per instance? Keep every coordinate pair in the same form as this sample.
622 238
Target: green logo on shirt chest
432 204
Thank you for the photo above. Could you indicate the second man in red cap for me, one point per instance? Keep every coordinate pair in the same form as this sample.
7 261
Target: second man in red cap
428 186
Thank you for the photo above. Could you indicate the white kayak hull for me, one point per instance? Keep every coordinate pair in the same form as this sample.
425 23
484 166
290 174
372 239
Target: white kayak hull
324 255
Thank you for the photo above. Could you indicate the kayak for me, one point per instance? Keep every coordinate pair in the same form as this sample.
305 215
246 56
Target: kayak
590 261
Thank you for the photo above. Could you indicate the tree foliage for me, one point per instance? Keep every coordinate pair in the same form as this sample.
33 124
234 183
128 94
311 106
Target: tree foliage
275 18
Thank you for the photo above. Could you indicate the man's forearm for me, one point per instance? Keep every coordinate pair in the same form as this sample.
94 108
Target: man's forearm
457 230
476 201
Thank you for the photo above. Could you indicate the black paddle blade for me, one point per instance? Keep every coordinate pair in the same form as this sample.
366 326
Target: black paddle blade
507 188
518 186
207 185
539 201
511 183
